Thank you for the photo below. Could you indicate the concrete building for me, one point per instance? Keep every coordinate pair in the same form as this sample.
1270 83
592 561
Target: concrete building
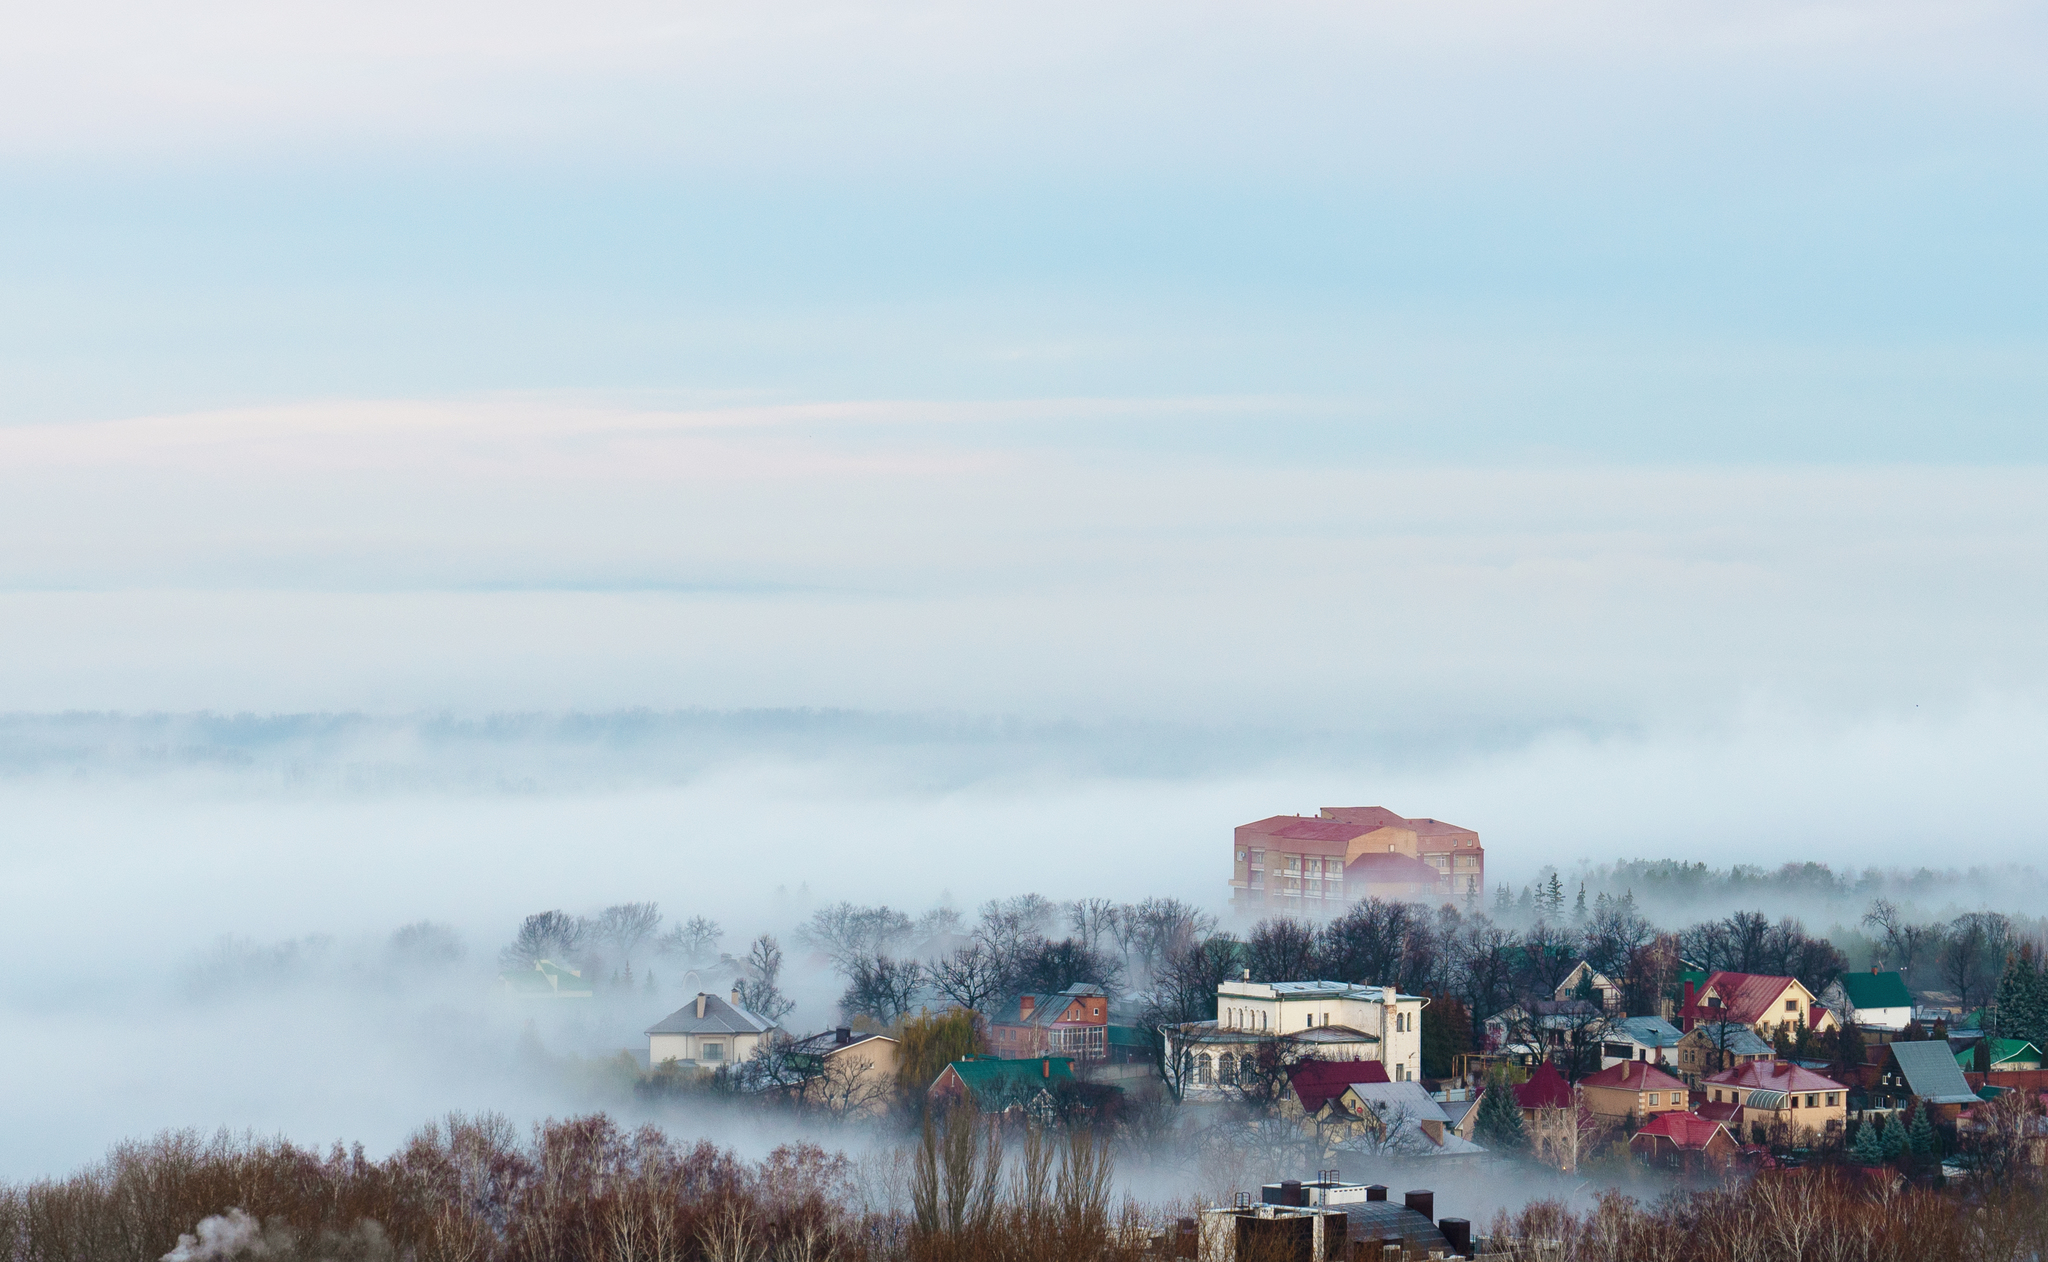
1331 1021
1320 864
707 1033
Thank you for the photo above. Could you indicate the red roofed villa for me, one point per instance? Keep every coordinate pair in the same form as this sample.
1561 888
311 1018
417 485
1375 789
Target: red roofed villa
1767 1004
1317 1082
1546 1089
1634 1088
1770 1092
1305 864
1685 1140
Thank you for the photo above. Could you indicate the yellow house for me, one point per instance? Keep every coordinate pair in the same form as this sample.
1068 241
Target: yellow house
1634 1088
844 1072
1770 1092
1769 1004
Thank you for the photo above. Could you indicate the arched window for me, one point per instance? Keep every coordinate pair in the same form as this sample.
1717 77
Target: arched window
1202 1069
1226 1069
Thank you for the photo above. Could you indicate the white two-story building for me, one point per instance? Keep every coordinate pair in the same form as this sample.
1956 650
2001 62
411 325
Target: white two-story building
1323 1020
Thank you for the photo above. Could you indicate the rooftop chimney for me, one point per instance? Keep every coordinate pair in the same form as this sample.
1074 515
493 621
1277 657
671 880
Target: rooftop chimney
1376 1192
1247 974
735 996
1423 1202
1025 1004
1459 1232
844 1033
701 997
1047 1069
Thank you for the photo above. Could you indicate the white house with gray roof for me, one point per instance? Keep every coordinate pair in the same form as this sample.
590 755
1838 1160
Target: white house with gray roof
706 1033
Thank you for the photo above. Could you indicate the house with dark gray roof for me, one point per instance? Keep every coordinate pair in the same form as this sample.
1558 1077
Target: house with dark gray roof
1925 1071
707 1033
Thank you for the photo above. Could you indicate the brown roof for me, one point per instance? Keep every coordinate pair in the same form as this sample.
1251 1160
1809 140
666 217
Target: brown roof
1546 1089
1317 1082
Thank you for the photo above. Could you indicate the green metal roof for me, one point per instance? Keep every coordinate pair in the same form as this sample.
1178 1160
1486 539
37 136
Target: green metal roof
1127 1036
999 1083
2003 1051
1876 990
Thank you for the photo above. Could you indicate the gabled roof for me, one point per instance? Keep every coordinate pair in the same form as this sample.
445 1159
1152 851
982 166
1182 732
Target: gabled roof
1649 1031
1406 1098
830 1042
1931 1072
1782 1075
1745 997
1004 1082
1876 990
1733 1037
1727 1111
1048 1009
1633 1075
719 1017
1546 1089
1317 1082
1684 1129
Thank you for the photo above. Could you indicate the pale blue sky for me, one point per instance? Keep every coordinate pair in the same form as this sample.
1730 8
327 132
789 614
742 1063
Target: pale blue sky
1473 233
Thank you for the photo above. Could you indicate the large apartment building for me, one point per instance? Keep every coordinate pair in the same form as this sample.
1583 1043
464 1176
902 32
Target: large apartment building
1308 864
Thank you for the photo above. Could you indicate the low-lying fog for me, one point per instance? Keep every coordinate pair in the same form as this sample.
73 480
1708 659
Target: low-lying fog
200 911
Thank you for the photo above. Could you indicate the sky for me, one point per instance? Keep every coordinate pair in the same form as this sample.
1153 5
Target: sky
1614 427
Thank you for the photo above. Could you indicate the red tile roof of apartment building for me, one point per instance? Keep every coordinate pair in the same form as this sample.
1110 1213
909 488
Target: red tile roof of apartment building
1300 828
1546 1089
1685 1130
1745 997
1774 1075
1727 1112
1633 1075
1317 1082
1377 816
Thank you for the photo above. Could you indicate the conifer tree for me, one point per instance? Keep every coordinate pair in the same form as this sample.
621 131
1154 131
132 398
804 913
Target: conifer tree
1920 1136
1894 1140
1499 1127
1579 908
2012 1001
1868 1149
1553 897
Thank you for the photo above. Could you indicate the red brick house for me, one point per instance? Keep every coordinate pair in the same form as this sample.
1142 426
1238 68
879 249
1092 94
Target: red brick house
1073 1023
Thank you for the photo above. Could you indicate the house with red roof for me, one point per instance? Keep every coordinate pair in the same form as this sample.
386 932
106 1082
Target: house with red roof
1315 1083
1308 864
1771 1092
1768 1004
1634 1088
1546 1089
1686 1141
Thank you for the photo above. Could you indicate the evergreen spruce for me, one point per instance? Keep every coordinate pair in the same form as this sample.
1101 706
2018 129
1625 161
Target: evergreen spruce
1553 897
1894 1140
1499 1127
1579 908
1868 1149
1920 1136
2034 1012
1503 902
2012 1001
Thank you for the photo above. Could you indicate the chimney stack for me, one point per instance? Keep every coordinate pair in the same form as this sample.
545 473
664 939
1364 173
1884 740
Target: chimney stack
735 996
1376 1192
701 997
1459 1232
844 1033
1423 1202
1047 1071
1247 974
1025 1003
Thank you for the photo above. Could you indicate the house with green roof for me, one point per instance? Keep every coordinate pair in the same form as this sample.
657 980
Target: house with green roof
1873 1000
2006 1054
993 1085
